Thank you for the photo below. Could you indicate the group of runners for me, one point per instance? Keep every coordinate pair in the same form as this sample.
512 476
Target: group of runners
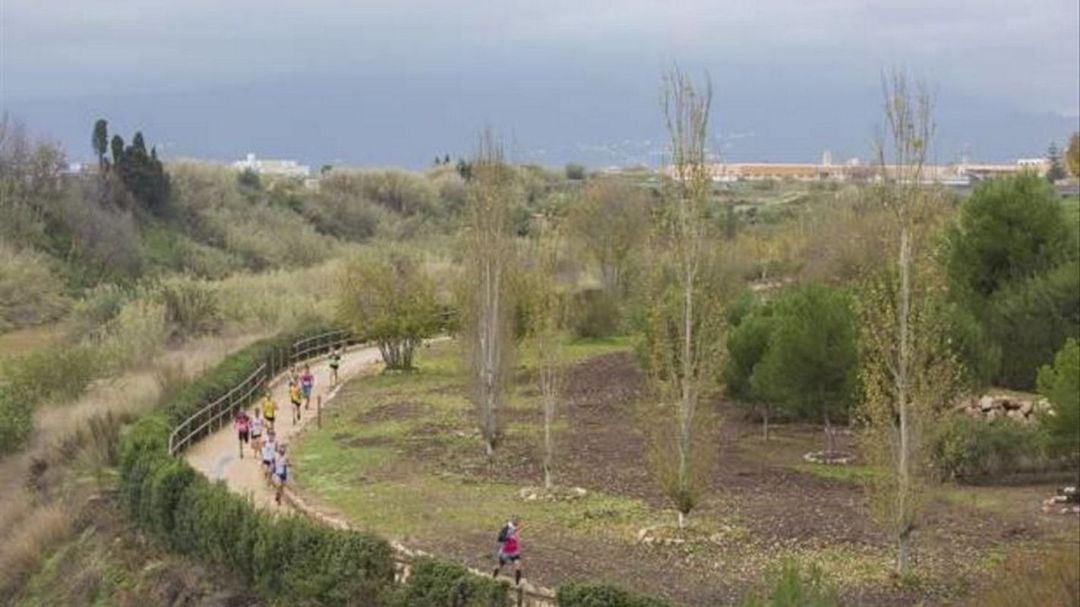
256 431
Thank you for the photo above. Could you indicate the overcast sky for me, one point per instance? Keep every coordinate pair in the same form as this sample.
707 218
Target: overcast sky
396 82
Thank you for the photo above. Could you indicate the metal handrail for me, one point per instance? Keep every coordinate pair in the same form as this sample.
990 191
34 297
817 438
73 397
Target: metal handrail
213 414
240 394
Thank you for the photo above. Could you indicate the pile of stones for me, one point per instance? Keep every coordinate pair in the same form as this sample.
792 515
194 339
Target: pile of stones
832 458
991 406
555 494
1067 501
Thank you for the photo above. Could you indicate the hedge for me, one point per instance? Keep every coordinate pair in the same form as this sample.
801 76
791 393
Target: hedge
602 595
435 583
290 558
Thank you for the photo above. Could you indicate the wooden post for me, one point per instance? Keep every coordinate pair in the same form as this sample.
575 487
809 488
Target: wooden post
318 411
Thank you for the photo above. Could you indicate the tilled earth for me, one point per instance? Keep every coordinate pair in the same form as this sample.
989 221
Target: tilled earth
773 509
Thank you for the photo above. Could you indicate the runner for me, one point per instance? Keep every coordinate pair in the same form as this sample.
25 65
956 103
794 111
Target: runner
510 548
281 472
269 409
256 432
307 384
269 448
243 426
335 363
295 398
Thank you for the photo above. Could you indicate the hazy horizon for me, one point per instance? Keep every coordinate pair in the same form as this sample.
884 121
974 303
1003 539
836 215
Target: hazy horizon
398 84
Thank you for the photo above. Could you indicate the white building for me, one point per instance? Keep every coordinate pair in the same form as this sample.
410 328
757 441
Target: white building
283 168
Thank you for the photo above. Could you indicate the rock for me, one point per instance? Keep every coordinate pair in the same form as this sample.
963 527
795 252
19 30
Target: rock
1027 407
992 414
643 535
1009 404
986 403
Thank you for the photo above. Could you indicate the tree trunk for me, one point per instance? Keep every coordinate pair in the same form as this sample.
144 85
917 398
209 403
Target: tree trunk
902 384
830 441
903 552
547 445
765 422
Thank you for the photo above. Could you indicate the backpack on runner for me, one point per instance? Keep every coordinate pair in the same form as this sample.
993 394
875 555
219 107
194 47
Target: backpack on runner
504 533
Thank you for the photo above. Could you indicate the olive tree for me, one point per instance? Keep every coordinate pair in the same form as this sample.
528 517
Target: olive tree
391 301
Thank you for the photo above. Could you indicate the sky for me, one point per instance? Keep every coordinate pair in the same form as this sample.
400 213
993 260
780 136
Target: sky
398 82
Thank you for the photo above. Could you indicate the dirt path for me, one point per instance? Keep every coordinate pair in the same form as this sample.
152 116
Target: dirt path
218 455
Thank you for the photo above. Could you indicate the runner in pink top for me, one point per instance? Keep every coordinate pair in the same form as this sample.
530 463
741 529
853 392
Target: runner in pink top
307 384
510 548
243 426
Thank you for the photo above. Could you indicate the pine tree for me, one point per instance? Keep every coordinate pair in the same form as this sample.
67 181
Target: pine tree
100 142
1056 171
117 145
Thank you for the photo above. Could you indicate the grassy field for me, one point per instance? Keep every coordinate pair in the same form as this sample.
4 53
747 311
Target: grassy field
21 341
398 454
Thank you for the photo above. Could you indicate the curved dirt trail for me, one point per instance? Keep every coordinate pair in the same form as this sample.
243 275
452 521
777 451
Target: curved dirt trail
218 455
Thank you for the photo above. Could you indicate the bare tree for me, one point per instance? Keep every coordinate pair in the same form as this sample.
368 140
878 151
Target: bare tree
487 306
684 330
610 222
907 370
547 319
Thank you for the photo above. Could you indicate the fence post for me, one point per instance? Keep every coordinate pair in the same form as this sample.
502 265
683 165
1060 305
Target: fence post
318 411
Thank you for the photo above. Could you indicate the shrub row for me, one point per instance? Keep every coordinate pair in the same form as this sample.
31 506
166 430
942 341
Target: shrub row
290 558
967 448
602 595
436 583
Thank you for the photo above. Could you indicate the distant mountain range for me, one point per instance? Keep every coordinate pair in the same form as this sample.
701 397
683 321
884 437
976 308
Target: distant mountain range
396 120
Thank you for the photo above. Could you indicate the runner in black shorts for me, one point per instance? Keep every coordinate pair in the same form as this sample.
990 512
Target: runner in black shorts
243 427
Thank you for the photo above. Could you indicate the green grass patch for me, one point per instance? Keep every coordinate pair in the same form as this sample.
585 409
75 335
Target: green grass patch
851 473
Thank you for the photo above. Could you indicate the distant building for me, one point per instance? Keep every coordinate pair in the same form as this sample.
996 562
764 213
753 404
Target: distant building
283 168
854 170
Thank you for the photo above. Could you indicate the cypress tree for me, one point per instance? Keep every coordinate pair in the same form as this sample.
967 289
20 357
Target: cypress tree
100 142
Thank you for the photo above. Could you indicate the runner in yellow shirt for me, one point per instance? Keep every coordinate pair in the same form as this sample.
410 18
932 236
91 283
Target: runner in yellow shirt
296 398
269 409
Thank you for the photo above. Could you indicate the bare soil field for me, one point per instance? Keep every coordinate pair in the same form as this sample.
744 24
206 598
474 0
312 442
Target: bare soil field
399 455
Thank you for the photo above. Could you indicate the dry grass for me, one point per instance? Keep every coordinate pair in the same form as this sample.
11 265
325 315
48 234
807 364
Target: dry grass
279 298
33 517
1045 577
33 539
21 341
136 391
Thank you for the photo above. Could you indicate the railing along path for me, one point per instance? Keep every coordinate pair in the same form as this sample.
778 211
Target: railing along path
221 411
